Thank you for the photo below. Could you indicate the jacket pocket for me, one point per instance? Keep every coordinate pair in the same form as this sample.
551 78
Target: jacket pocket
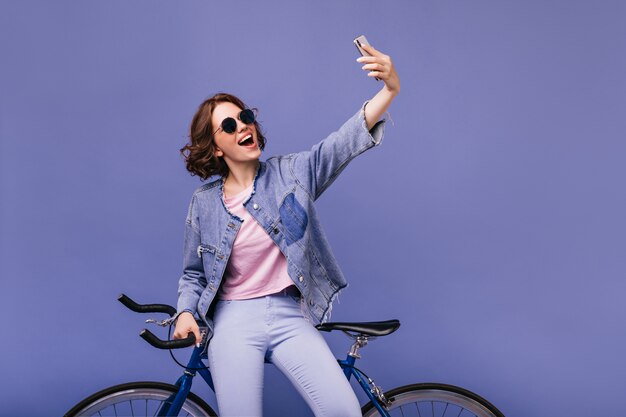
205 249
207 253
294 218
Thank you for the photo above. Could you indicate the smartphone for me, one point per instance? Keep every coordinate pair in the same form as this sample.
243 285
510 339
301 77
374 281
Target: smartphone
362 40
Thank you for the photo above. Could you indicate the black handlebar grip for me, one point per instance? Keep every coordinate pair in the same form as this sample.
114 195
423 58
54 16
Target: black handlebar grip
149 337
146 308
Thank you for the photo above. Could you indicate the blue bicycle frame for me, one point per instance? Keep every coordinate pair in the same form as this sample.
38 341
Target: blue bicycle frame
348 369
184 383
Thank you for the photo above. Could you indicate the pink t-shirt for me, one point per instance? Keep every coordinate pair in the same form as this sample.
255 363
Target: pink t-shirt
256 266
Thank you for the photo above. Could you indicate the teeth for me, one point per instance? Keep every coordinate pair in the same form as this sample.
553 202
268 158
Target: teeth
245 139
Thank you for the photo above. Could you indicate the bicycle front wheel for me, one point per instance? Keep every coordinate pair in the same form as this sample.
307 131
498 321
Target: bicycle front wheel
139 399
434 400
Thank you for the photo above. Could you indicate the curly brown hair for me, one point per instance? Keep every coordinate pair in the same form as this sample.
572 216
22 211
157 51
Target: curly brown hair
199 153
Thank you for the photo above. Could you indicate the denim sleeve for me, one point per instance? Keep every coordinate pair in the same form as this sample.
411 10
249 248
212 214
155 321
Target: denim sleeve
317 168
193 280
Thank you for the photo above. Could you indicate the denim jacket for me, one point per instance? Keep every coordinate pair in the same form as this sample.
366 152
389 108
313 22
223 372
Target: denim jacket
281 201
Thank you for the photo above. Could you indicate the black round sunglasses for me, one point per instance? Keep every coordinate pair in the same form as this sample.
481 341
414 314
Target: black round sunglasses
229 125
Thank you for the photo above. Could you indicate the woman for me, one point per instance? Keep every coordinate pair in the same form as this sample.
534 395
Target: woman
257 267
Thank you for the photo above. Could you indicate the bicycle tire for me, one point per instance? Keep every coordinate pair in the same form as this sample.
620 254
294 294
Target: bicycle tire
144 398
434 400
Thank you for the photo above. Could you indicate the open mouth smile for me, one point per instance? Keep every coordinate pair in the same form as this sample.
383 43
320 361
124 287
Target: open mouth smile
247 141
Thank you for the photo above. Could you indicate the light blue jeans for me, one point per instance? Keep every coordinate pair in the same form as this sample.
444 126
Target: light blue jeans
272 328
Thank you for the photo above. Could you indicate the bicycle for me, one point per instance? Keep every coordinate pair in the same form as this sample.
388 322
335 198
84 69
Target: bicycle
162 399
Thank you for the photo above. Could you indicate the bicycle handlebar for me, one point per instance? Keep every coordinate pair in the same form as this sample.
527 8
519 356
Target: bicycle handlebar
146 334
146 308
149 337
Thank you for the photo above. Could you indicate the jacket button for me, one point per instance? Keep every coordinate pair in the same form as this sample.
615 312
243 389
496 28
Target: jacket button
276 231
300 278
231 225
255 206
220 256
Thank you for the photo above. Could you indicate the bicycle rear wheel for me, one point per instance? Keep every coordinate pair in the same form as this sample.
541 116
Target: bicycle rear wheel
434 400
138 399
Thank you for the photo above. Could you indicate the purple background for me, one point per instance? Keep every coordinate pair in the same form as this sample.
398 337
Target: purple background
491 221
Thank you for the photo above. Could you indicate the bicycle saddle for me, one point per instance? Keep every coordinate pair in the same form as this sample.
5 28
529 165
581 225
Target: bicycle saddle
372 328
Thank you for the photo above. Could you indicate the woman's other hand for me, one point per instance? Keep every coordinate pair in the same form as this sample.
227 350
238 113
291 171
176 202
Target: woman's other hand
186 324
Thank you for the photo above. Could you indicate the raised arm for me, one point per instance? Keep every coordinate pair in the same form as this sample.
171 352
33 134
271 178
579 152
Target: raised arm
316 169
380 66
